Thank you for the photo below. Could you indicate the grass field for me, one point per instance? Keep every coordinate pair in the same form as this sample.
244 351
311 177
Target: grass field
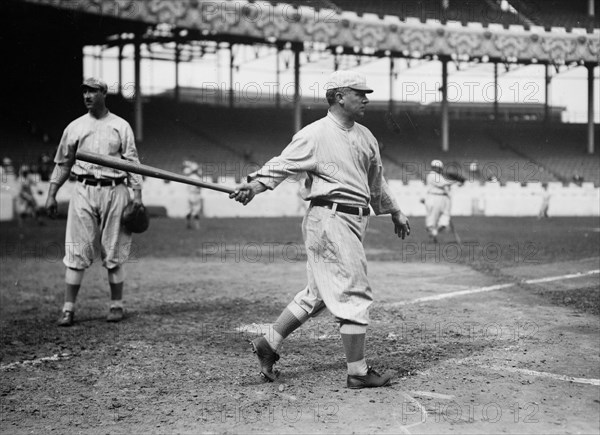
519 239
516 360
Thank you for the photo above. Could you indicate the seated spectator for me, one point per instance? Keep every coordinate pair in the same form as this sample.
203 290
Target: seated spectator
7 168
46 165
26 205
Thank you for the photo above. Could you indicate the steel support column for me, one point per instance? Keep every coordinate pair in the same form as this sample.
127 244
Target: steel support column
444 107
138 108
590 144
297 100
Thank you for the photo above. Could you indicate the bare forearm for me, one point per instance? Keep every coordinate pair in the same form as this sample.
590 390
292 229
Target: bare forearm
53 189
137 195
384 202
257 186
60 175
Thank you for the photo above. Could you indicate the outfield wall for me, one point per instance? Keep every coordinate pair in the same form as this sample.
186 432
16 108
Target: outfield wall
470 199
489 199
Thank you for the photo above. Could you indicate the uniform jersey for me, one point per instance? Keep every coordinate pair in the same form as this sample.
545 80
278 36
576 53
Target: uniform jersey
437 184
194 192
341 164
110 136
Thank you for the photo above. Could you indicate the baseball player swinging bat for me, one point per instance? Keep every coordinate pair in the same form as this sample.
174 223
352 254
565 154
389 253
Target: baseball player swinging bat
150 171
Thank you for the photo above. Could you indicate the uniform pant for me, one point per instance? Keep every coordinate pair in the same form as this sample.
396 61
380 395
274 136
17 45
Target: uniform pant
336 265
438 211
194 206
95 211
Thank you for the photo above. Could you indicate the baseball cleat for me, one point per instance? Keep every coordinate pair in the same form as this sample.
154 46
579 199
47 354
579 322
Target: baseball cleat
66 318
115 314
266 358
371 380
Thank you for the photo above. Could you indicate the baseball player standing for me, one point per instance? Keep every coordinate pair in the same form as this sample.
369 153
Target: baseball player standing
437 200
192 170
344 176
100 196
545 205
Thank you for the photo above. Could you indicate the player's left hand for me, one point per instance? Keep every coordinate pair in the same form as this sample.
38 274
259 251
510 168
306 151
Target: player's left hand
137 198
51 207
401 224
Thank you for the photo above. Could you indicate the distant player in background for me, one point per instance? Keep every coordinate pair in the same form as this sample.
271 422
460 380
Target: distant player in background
437 201
543 213
192 170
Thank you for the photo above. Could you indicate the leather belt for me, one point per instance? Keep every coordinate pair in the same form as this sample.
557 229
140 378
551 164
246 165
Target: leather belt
91 181
340 207
439 194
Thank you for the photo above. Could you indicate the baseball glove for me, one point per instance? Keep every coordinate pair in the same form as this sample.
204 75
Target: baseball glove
135 218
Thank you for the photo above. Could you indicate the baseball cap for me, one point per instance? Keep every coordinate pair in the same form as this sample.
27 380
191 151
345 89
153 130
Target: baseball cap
348 79
437 164
95 83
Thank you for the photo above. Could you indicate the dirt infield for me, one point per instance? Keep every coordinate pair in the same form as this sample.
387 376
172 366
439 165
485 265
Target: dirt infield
497 335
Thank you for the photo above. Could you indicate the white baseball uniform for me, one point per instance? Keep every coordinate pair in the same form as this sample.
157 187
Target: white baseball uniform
437 201
342 165
194 197
101 193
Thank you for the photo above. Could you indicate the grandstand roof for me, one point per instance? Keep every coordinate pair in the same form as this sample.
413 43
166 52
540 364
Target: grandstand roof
567 14
409 28
548 13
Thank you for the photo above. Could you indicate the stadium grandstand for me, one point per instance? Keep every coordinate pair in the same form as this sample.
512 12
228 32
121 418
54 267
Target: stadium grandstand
45 44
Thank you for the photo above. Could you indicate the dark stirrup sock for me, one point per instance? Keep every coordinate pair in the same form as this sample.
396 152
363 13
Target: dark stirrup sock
353 339
290 319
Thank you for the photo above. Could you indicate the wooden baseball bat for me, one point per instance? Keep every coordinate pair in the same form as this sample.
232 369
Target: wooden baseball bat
150 171
456 236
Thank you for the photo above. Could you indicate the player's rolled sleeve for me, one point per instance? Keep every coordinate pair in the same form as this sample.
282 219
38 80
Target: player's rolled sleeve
64 157
65 153
296 159
130 154
60 174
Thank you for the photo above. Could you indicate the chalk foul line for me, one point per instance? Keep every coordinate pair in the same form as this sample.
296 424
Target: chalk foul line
546 375
473 361
33 362
561 277
453 294
492 288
